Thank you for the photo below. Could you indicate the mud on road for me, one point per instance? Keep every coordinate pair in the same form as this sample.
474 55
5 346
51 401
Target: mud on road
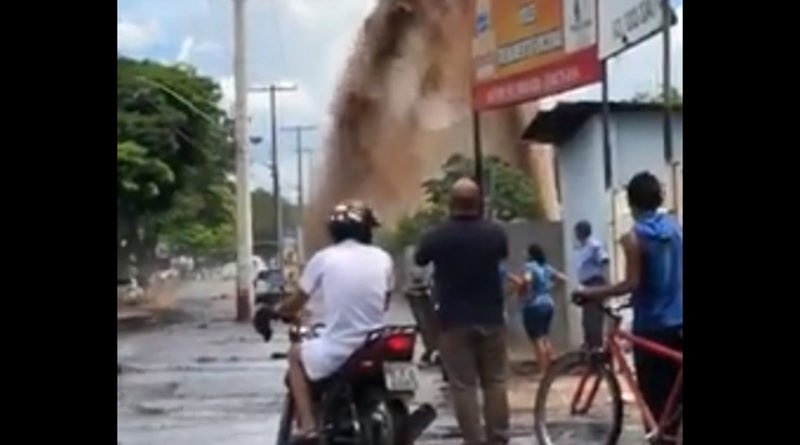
198 378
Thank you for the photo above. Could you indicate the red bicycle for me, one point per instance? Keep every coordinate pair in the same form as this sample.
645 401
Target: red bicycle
584 388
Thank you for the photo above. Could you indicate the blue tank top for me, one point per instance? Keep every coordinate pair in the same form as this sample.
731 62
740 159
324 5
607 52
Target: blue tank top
658 302
541 276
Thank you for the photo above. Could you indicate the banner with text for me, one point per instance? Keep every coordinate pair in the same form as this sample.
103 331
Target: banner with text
523 50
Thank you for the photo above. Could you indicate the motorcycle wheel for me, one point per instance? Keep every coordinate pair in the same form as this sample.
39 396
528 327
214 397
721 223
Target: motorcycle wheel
383 425
398 412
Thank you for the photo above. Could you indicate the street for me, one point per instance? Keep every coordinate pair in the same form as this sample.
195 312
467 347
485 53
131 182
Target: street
199 378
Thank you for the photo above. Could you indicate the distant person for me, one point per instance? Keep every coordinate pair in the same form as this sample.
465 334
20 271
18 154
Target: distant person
538 305
654 276
592 270
467 253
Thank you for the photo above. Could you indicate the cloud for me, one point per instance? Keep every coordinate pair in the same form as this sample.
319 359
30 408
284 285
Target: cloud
132 36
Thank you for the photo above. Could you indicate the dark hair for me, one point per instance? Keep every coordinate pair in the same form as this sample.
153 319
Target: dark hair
344 230
583 229
644 192
536 253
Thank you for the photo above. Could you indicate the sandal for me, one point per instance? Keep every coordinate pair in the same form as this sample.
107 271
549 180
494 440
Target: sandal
311 438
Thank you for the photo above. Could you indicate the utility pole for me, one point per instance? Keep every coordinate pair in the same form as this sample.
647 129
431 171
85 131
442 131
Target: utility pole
669 155
276 182
298 131
244 229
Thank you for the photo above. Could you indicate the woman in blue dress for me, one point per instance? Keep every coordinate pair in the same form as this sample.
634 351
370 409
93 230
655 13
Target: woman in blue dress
537 303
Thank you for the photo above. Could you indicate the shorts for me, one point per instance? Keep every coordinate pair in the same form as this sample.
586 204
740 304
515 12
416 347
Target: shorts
536 318
321 358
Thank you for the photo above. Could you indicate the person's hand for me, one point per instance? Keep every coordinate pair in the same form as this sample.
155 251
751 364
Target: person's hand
580 296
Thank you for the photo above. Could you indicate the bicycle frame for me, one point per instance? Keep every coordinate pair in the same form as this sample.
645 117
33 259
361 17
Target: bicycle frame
653 429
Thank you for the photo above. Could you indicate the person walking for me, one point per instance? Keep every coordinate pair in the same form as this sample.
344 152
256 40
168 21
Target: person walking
537 305
592 270
467 252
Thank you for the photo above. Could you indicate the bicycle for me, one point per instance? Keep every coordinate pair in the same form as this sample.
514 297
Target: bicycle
591 368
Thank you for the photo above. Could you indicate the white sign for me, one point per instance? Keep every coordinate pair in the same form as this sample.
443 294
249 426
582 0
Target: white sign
624 23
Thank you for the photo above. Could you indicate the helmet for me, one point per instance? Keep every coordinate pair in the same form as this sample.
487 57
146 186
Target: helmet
352 219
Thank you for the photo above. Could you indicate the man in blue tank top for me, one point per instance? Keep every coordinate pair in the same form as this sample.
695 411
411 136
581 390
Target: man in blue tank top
654 277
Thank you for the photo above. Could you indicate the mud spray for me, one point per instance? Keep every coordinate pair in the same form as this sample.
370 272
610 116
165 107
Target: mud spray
402 107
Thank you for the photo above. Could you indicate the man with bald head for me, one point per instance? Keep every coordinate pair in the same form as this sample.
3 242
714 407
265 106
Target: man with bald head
467 252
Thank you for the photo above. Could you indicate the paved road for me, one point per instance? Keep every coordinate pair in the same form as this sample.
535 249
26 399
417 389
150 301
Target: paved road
203 380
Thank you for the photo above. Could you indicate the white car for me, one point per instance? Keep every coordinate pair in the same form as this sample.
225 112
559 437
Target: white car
128 290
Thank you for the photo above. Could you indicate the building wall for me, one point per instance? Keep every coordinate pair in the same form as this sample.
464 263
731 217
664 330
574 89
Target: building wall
638 144
583 196
520 235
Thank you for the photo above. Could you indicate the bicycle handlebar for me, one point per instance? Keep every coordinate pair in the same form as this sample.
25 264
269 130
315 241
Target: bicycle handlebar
614 311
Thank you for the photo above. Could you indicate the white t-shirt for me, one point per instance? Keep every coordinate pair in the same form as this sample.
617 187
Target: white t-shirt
349 283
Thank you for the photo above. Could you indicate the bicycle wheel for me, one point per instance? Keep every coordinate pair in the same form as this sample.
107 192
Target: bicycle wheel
578 402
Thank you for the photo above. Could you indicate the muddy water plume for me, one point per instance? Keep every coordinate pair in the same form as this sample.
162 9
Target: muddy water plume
402 107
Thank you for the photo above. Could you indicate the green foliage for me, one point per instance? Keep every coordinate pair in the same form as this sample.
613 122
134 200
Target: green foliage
263 204
648 97
140 177
174 151
511 195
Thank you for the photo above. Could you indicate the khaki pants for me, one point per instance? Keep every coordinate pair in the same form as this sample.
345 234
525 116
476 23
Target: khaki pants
473 355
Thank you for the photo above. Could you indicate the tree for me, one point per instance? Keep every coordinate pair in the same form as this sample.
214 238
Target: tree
511 195
264 229
648 97
174 150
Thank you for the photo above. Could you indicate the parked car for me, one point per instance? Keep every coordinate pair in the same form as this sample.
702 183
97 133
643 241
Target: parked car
128 290
270 287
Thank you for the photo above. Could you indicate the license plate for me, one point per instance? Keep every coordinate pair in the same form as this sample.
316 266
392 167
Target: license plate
400 377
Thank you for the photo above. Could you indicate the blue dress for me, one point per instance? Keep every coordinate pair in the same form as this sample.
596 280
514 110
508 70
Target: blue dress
537 309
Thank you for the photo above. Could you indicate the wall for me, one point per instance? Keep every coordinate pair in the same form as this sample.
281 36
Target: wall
583 197
520 235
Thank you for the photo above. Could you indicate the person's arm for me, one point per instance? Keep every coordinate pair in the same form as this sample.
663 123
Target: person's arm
424 254
633 263
503 244
558 275
307 287
390 284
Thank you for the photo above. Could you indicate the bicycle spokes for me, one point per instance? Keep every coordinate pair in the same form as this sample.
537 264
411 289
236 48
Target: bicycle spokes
578 403
581 404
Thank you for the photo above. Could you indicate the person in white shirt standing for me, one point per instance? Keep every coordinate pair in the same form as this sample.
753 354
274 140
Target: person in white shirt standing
350 282
592 270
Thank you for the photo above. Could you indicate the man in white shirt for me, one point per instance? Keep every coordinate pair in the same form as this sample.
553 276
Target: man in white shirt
592 269
349 282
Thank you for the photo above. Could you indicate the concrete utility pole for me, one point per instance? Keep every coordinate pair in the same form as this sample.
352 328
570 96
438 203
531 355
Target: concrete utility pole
276 183
244 228
298 130
669 155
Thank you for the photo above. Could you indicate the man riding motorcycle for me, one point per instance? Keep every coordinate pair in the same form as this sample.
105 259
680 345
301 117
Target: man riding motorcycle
349 281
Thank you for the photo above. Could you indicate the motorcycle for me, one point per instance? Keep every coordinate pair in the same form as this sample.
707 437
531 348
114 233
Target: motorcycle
367 401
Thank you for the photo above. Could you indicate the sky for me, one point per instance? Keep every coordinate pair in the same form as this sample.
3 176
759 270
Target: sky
307 42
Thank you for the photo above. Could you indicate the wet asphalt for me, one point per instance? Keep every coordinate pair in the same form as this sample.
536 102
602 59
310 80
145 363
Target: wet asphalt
198 378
